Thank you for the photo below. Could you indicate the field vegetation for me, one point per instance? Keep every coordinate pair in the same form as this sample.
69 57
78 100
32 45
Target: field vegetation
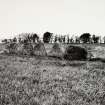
27 78
34 80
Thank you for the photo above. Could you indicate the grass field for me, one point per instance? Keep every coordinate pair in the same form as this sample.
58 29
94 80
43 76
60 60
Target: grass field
50 81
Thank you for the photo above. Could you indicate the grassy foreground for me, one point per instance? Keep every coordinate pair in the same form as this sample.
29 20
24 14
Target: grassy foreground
50 81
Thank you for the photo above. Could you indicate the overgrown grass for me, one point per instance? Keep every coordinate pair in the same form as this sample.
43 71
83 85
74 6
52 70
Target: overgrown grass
31 81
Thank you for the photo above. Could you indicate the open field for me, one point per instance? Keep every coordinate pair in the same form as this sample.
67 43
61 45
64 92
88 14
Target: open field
50 81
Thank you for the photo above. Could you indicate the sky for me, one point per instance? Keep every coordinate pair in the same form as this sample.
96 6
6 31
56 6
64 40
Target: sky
56 16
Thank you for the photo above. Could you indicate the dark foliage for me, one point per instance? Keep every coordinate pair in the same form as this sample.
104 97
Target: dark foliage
75 53
47 37
35 37
55 40
14 39
4 41
95 39
85 37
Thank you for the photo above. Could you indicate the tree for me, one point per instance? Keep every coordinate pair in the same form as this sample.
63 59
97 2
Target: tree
47 37
5 41
71 40
85 37
104 39
28 38
14 39
55 40
77 39
34 37
64 39
25 37
68 39
95 39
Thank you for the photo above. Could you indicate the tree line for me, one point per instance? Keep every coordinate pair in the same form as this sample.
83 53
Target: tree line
84 38
49 37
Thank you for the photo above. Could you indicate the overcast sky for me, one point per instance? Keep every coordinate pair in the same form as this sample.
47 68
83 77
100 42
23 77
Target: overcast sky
57 16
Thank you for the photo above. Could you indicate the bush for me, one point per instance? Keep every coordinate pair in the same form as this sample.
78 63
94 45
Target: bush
75 53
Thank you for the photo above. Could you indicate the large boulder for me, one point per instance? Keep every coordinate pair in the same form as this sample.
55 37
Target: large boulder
75 53
24 49
39 49
56 51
